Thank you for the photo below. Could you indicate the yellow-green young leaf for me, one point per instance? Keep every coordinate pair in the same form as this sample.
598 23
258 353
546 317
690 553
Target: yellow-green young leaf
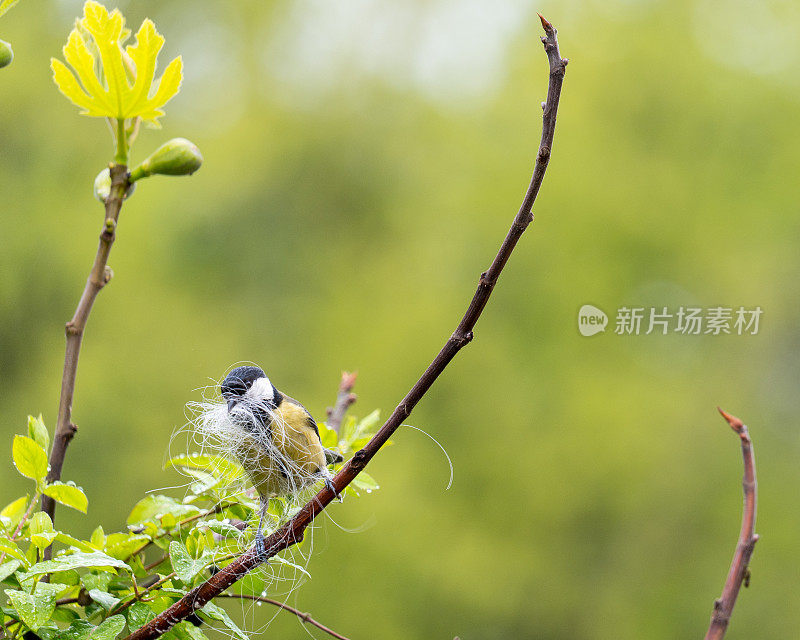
40 522
35 609
68 494
5 5
115 96
327 436
159 507
38 432
11 549
123 545
40 528
98 538
44 539
12 513
74 542
29 458
217 466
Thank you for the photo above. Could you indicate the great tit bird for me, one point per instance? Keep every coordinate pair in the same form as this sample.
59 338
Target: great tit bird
277 440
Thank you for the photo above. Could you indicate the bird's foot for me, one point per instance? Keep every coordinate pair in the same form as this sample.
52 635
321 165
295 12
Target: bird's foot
329 484
260 547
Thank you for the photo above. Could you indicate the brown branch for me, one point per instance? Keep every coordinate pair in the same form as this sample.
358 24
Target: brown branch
344 399
738 573
98 278
305 617
293 531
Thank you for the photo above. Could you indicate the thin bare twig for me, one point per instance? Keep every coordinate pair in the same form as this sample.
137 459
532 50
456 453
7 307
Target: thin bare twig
344 399
98 278
292 532
739 572
305 617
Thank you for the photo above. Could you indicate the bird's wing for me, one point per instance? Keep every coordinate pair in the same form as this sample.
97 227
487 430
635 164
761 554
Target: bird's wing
331 457
311 422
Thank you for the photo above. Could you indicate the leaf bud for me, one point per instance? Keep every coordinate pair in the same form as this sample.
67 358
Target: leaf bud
6 54
177 157
102 186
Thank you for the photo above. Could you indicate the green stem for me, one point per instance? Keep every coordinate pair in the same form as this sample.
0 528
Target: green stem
122 143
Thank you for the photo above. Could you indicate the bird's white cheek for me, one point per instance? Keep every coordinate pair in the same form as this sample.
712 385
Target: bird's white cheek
260 390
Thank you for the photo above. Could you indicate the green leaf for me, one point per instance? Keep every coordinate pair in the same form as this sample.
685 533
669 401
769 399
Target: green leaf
104 599
5 5
35 609
115 98
69 577
69 540
184 566
367 425
222 528
40 528
98 538
83 630
123 545
219 467
40 522
67 494
38 432
43 540
185 631
205 481
96 581
366 482
62 563
29 458
7 568
286 562
13 512
216 612
10 548
155 507
63 614
327 436
139 614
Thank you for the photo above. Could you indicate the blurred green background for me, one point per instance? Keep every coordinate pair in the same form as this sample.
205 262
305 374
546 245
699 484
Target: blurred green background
363 161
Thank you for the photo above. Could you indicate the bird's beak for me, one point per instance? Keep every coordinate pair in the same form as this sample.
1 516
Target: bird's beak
231 404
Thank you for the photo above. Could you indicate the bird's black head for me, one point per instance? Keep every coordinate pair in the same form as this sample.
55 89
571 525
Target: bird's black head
249 383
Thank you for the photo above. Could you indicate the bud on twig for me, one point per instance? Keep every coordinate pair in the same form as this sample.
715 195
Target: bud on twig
6 54
102 186
178 157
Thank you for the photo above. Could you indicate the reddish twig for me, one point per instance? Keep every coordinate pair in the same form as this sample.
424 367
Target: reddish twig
305 617
344 399
98 278
292 532
739 572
